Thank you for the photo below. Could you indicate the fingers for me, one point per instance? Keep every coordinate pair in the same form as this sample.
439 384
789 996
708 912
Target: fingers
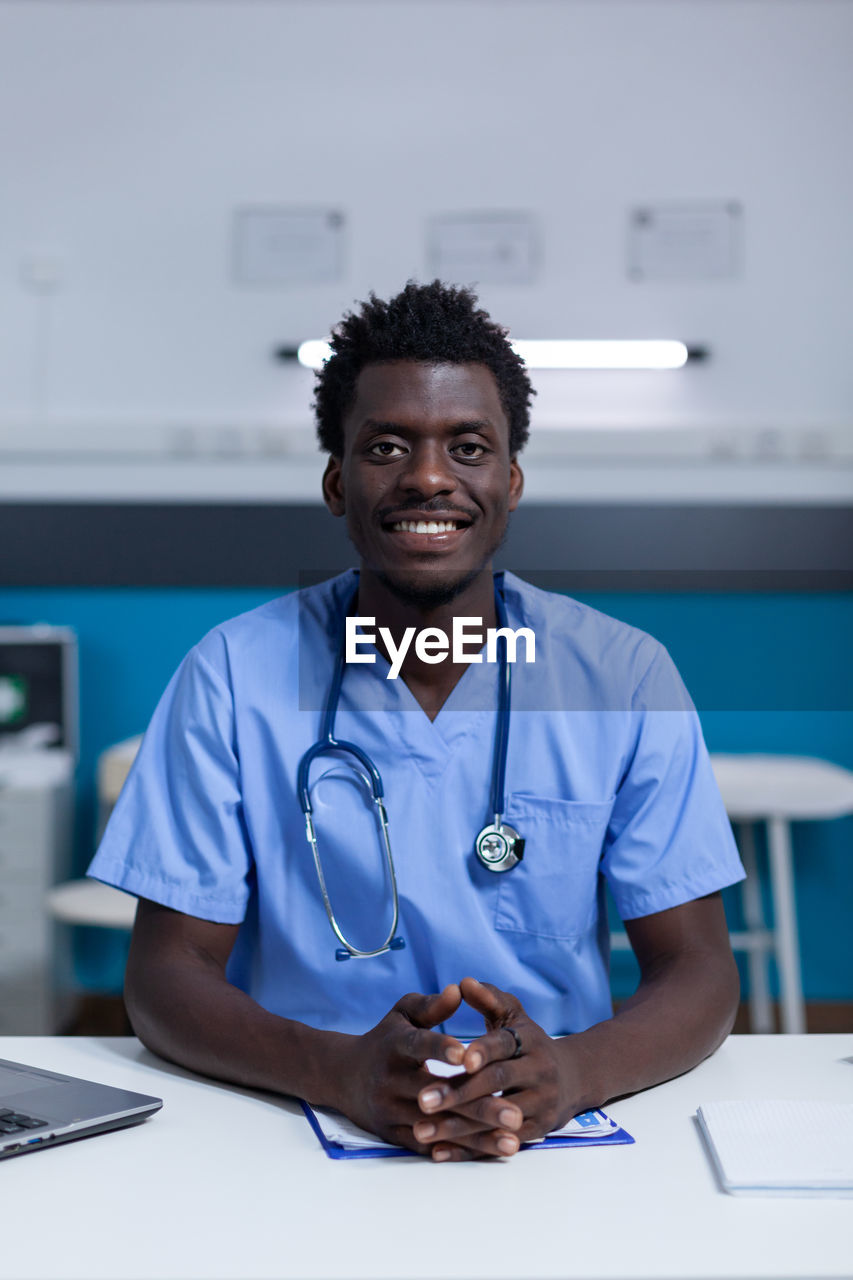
427 1011
464 1118
527 1115
450 1137
478 1147
535 1126
456 1093
489 1000
493 1134
419 1042
454 1151
495 1046
486 1062
501 1010
486 1126
482 1112
414 1046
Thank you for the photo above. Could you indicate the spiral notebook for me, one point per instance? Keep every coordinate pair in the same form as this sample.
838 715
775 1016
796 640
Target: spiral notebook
780 1148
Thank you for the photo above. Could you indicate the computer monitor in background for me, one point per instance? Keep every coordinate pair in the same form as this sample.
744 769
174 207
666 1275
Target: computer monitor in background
38 687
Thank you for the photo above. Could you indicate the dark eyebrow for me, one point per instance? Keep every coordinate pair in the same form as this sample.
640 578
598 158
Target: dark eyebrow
479 426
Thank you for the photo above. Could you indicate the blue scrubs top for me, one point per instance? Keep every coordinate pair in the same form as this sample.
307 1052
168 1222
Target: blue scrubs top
607 778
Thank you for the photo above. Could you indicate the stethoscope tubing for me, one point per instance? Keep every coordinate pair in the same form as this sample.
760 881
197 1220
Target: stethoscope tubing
350 950
328 744
504 691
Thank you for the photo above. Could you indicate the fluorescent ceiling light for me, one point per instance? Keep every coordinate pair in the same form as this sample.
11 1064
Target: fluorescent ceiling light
313 353
601 355
554 354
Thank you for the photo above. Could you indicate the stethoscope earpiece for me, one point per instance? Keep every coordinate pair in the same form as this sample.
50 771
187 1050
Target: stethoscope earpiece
396 944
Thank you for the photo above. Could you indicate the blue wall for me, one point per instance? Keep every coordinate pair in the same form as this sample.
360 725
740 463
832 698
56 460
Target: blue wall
767 672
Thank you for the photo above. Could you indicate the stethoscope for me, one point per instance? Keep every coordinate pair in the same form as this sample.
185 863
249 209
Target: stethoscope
499 847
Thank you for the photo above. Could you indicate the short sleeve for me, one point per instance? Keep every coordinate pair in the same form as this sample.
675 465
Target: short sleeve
669 839
177 834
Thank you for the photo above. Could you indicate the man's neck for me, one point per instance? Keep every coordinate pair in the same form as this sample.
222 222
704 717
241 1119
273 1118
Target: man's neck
430 683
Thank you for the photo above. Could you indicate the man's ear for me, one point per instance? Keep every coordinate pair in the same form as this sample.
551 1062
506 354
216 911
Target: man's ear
333 489
516 483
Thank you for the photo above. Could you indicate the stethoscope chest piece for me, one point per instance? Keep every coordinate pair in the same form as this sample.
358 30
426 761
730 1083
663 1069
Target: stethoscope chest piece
499 847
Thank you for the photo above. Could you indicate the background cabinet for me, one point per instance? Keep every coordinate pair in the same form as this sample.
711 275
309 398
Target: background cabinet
36 806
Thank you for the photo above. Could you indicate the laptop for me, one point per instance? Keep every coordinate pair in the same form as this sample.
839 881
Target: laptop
40 1108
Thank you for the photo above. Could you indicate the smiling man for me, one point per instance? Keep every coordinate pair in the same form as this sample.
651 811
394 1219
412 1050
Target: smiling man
425 443
513 793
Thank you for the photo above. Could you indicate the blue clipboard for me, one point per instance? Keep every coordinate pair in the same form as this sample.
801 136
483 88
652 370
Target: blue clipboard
335 1151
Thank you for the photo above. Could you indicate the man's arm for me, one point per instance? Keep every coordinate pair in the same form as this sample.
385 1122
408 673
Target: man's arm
682 1010
182 1007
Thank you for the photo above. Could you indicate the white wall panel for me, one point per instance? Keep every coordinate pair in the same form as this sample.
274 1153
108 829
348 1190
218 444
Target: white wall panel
131 131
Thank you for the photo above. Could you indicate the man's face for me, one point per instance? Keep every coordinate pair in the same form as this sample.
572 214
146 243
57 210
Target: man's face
426 481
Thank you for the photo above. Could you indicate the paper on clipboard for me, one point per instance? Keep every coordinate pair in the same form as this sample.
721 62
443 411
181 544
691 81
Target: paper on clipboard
341 1131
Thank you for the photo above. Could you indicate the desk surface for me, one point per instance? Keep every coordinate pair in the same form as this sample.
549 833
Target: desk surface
224 1182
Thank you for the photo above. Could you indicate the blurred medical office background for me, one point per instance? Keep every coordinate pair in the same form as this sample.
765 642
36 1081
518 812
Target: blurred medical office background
192 189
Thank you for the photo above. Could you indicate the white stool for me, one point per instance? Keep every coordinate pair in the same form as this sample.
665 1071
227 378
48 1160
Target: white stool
89 903
86 902
776 790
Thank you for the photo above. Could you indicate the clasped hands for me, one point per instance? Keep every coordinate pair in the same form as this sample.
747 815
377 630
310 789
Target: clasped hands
390 1092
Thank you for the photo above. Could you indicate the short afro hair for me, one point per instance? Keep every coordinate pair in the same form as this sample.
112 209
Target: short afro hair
435 323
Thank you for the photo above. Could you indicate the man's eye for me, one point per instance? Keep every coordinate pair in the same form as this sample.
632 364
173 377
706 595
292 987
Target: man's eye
386 449
470 449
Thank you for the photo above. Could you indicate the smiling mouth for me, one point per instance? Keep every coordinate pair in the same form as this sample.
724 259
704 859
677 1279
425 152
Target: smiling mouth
426 526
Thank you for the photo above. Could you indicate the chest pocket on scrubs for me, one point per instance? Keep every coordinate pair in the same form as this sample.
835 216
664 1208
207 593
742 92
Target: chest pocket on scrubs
552 892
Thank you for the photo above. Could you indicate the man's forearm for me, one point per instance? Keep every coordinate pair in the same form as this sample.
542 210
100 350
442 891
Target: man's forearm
680 1013
192 1016
183 1009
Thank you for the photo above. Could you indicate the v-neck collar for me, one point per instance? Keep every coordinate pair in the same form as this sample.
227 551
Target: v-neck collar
472 700
473 697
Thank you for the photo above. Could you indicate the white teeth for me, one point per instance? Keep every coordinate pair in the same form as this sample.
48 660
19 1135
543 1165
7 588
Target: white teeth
425 526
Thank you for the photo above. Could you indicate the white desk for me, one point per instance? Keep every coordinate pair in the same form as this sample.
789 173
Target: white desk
226 1183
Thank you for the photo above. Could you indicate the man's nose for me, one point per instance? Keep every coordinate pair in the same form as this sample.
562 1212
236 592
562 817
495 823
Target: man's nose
428 471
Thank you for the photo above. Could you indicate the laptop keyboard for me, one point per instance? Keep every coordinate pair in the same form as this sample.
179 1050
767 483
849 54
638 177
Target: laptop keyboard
15 1122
